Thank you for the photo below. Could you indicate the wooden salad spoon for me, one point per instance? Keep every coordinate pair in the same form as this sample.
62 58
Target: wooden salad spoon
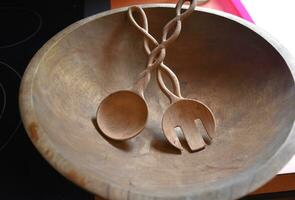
123 114
182 112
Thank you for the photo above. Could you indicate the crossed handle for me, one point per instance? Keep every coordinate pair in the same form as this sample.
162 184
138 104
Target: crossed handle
157 55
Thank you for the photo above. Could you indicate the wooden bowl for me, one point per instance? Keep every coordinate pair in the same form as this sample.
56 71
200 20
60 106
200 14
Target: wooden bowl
235 68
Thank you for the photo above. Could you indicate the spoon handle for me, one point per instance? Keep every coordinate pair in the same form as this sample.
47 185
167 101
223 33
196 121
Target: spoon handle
144 77
175 21
160 49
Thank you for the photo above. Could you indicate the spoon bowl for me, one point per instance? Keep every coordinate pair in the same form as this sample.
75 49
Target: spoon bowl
122 115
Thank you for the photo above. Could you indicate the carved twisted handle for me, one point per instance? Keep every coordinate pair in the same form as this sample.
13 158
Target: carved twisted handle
157 55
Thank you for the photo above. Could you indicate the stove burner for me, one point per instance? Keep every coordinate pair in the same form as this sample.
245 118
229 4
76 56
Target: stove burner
18 25
2 100
9 114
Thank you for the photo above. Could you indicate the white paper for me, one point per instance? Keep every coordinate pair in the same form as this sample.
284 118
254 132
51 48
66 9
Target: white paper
276 17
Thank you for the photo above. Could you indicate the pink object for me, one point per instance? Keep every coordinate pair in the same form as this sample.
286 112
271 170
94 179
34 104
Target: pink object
234 7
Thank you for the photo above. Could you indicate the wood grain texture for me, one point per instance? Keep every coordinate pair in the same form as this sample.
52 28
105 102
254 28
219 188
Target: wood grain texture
280 183
240 72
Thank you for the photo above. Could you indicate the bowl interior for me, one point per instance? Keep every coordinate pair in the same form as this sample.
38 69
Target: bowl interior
233 70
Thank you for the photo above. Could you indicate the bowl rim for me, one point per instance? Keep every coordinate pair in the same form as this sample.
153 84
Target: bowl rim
244 183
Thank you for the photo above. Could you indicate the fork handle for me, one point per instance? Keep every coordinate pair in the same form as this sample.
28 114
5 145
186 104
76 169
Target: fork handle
174 97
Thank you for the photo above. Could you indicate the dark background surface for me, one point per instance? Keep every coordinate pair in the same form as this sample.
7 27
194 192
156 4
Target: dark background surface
24 174
24 27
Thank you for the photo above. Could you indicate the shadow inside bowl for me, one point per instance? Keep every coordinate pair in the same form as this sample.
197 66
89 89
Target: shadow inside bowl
122 145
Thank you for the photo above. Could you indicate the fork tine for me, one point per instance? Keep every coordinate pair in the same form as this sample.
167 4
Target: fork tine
208 122
193 138
203 131
172 137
